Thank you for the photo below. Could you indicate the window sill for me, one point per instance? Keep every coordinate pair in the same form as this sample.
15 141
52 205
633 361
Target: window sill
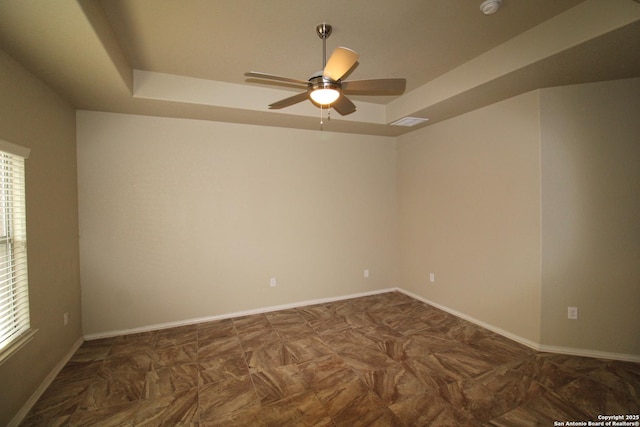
16 345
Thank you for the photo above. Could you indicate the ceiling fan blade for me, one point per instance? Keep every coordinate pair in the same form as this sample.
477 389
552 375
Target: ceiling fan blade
344 106
276 78
289 101
375 87
341 61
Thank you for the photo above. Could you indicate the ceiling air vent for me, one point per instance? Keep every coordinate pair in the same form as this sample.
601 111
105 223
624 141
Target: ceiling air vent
409 121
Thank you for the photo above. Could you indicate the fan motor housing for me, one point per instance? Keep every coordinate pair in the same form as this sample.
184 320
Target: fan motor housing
321 82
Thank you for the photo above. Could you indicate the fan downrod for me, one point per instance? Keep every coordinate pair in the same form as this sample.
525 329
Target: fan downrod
324 31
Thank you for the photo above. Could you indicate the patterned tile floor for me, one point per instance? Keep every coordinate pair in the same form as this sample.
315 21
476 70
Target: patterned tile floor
381 360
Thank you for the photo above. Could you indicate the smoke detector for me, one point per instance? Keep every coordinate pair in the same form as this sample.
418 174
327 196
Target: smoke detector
489 7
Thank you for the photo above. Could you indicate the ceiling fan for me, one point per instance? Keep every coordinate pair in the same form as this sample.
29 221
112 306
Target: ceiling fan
326 88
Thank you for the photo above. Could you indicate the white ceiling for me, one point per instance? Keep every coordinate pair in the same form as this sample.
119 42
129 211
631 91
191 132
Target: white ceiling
191 54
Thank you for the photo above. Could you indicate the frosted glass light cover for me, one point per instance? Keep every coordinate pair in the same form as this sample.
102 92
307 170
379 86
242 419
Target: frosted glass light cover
325 96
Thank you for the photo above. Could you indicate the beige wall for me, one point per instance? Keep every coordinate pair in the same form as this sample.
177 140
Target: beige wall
33 116
182 219
469 212
591 216
526 207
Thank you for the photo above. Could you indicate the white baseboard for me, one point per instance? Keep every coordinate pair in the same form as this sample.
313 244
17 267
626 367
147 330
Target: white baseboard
160 326
514 337
527 342
22 413
524 341
590 353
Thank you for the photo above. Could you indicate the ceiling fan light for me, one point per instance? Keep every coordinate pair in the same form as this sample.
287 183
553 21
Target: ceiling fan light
324 96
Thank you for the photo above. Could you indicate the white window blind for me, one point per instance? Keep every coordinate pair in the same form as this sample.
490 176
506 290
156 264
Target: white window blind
14 289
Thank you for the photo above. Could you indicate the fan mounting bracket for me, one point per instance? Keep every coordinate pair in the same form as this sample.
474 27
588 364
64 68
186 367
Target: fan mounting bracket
324 31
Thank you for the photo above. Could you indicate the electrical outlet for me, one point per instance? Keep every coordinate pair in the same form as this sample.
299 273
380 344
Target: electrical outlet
366 273
65 318
432 277
272 282
572 313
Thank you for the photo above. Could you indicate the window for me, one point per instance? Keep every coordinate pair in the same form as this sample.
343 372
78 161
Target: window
14 289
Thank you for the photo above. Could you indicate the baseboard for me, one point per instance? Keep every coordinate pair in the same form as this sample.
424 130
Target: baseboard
22 413
514 337
524 341
527 342
160 326
590 353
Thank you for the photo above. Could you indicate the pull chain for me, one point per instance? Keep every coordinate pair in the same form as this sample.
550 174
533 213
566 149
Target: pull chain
322 117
